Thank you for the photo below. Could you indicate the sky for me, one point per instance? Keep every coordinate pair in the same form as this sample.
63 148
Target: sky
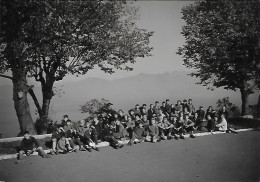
164 18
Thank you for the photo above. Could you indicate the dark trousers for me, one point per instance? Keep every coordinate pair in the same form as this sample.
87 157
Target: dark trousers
111 139
75 141
198 124
165 131
211 125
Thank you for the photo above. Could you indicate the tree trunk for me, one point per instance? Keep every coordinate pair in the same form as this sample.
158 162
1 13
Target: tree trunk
22 108
47 96
244 97
258 107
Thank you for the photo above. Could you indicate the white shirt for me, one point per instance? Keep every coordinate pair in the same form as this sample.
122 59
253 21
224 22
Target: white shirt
222 125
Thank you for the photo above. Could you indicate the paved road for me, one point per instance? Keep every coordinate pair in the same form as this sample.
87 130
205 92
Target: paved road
225 157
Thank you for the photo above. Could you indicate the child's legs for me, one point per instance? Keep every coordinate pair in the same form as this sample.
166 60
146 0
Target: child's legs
190 129
71 143
78 142
95 139
41 151
54 144
168 131
20 155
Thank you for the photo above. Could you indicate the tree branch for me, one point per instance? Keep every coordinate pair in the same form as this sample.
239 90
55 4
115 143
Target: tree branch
5 76
31 92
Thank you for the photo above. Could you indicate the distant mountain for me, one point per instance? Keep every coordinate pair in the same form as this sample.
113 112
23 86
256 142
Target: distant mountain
123 93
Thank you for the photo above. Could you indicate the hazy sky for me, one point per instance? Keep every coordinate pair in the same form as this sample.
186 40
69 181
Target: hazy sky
164 18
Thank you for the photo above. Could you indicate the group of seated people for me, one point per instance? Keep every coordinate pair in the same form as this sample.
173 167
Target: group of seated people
158 122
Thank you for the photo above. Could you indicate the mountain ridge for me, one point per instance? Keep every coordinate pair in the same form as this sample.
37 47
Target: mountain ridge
124 93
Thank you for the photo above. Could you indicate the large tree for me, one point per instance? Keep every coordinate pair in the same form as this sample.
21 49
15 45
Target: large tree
82 35
14 16
222 44
65 37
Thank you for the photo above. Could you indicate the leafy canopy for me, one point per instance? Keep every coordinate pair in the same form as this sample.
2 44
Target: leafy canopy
96 107
62 37
222 42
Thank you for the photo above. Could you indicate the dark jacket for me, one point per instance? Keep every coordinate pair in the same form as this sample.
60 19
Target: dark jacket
28 144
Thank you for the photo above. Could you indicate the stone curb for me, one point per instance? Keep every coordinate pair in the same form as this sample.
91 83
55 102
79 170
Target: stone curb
20 138
102 144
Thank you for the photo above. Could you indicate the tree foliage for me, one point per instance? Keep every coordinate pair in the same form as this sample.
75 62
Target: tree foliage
225 102
77 36
222 43
96 107
72 37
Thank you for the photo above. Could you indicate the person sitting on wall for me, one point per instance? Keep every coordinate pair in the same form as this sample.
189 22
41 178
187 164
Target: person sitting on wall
30 145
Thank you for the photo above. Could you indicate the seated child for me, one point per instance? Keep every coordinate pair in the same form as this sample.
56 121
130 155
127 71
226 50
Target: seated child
139 134
165 129
210 123
56 136
98 129
129 127
188 125
118 130
108 136
180 125
29 145
222 125
173 121
63 145
90 135
74 139
145 122
153 132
